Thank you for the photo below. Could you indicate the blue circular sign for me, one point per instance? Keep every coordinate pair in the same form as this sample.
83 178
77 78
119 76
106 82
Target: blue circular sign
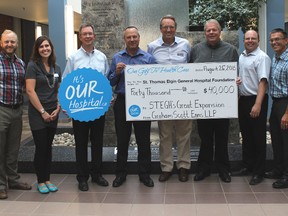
134 110
85 94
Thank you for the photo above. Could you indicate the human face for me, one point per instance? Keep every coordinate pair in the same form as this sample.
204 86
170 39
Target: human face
87 37
278 42
251 41
131 38
9 43
168 30
45 49
212 33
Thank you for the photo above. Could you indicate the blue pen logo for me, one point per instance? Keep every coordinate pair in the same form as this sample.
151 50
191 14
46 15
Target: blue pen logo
134 110
85 94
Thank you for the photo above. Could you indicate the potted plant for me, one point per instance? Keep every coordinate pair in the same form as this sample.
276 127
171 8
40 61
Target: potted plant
231 14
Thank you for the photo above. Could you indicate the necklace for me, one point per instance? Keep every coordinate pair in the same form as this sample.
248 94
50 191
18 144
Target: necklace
51 86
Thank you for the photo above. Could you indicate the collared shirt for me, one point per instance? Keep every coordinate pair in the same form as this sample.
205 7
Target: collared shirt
279 76
140 57
12 79
222 52
177 52
252 68
82 59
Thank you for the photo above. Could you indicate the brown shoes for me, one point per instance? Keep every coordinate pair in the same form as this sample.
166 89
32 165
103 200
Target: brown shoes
164 176
3 194
183 175
19 186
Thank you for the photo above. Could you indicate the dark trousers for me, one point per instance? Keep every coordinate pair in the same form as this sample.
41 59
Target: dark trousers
82 131
279 137
210 130
142 135
253 132
43 139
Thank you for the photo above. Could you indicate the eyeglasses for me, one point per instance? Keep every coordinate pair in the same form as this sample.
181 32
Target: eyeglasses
276 40
168 27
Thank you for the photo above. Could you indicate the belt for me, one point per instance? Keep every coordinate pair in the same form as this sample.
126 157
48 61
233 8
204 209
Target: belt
11 106
278 99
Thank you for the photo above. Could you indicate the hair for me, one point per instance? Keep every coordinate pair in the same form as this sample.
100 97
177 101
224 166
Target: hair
168 16
8 31
212 21
83 25
282 31
36 57
131 27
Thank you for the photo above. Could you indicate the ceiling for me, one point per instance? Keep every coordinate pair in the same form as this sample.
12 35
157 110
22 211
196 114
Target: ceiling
34 10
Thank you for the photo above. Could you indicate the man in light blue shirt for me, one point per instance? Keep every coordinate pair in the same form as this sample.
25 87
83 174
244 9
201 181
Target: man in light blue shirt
89 57
170 49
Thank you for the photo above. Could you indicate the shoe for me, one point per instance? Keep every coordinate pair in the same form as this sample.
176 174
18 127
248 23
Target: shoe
225 177
83 186
98 179
147 181
241 172
281 183
183 175
118 181
256 179
19 186
51 187
199 176
3 194
42 189
272 175
164 176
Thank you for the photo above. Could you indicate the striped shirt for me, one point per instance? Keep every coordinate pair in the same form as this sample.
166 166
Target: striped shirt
279 76
12 79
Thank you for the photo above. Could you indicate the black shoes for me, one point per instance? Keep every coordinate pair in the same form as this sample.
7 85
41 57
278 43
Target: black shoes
118 181
281 183
98 179
225 177
147 181
256 179
201 175
241 172
272 175
83 186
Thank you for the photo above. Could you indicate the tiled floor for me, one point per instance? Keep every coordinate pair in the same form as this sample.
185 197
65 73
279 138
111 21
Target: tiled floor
208 197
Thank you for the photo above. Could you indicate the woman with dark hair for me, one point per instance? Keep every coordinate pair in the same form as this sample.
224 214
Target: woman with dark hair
42 82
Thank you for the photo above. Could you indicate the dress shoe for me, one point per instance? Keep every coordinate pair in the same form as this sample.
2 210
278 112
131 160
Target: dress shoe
83 186
183 175
98 179
256 179
199 176
225 177
3 194
118 181
272 175
147 181
281 183
164 176
241 172
19 186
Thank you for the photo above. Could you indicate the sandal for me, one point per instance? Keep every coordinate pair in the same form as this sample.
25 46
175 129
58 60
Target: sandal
42 189
51 187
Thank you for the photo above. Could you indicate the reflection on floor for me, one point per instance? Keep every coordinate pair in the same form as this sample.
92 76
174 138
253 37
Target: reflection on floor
208 197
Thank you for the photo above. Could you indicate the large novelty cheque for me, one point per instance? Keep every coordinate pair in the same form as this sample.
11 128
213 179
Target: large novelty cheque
85 94
182 91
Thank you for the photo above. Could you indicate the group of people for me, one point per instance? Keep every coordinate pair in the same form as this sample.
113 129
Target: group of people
43 76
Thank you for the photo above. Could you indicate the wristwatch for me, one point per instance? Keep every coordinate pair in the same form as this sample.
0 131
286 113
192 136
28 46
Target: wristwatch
42 111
